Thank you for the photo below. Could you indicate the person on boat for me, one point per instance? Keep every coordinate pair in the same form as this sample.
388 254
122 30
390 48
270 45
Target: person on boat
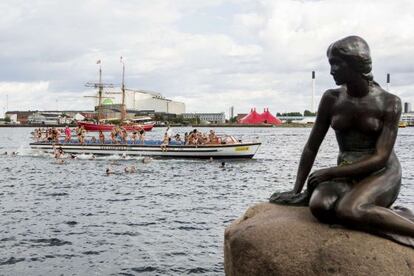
53 134
35 135
169 133
101 137
118 135
165 142
214 138
82 134
93 140
211 137
134 137
186 138
39 135
141 132
57 135
68 134
49 136
177 138
200 138
113 135
205 139
123 135
366 181
79 134
193 138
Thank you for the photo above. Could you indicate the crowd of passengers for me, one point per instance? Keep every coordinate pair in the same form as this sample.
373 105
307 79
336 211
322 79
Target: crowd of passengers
51 134
119 135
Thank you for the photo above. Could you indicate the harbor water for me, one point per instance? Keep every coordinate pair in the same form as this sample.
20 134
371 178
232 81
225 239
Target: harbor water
168 218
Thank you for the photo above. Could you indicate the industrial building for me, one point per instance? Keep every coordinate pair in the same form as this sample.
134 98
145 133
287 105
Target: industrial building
215 118
149 100
46 117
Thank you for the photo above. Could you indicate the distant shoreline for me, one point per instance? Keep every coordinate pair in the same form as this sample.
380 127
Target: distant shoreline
256 125
173 125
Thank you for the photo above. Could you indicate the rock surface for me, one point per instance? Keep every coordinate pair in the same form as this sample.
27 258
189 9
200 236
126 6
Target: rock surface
283 240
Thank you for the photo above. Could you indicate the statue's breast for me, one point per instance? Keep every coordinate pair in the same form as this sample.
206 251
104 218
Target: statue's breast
364 116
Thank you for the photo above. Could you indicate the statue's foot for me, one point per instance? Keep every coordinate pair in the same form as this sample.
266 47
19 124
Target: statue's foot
404 240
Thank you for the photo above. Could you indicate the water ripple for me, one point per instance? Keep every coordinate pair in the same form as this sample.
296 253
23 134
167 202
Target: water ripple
166 219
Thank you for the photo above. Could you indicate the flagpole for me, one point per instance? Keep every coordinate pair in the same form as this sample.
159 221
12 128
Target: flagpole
388 81
100 88
123 107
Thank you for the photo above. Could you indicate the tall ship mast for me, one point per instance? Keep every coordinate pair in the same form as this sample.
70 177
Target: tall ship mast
137 124
123 105
100 86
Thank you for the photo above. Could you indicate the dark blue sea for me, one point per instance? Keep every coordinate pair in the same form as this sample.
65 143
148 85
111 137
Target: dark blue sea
168 218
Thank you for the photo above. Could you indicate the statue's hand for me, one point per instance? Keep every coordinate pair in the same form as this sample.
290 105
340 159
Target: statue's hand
290 198
317 177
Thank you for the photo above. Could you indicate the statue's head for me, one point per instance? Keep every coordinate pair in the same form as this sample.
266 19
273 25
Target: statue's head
355 52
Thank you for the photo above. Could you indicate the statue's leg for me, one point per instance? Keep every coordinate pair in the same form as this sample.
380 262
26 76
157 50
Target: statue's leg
366 205
324 199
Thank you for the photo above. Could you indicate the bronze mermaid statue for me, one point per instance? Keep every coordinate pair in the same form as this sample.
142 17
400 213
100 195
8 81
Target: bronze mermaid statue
359 191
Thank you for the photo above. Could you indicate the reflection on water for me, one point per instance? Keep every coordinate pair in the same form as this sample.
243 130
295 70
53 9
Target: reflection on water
167 218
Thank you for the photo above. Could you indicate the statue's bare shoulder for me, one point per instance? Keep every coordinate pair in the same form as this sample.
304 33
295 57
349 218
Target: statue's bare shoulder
329 99
391 101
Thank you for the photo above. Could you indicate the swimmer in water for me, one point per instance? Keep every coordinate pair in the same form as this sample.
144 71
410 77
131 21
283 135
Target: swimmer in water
131 169
109 171
60 161
223 164
146 160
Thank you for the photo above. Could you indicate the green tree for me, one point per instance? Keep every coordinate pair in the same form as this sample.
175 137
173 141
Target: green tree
233 119
308 113
7 119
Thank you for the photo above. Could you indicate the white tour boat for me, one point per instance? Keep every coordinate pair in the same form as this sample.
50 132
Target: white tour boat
232 148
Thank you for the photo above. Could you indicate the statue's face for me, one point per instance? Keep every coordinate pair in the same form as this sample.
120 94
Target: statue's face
340 70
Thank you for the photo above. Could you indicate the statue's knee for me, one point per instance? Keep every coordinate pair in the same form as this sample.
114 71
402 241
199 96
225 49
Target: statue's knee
322 208
349 213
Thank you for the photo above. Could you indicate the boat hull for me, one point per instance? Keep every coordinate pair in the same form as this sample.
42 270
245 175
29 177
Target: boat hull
108 127
242 150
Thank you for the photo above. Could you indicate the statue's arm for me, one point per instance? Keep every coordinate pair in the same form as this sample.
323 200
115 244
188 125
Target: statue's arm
315 139
384 146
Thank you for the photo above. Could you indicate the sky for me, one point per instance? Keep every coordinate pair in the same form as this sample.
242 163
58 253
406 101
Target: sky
211 55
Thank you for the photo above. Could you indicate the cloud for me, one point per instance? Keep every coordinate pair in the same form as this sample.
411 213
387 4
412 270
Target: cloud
209 54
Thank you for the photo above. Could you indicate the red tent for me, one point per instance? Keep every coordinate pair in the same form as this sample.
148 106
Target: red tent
268 118
252 118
